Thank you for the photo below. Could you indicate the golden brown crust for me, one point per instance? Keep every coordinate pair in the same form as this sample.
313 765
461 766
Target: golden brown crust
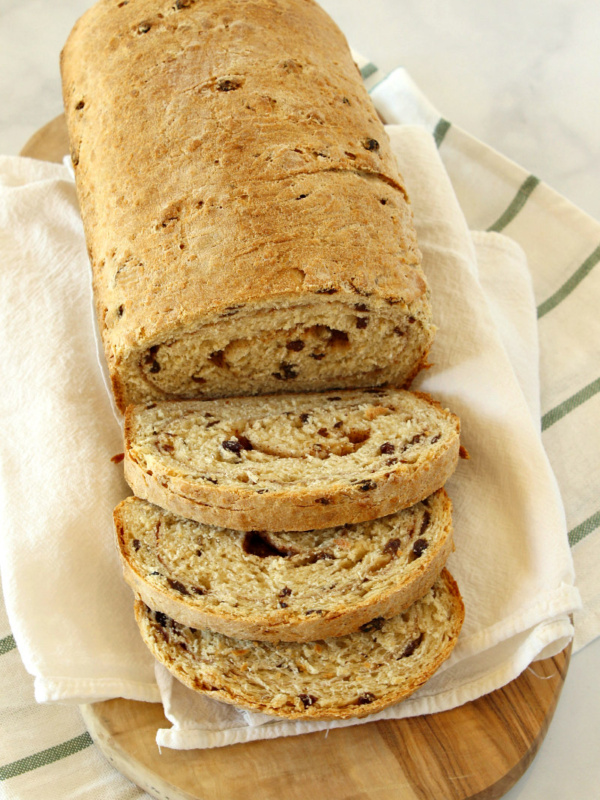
197 134
292 625
183 668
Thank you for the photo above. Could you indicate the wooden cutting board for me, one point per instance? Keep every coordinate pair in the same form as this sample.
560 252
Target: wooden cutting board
475 752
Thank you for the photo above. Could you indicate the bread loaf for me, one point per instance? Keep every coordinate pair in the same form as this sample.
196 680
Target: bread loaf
283 587
246 223
290 462
348 676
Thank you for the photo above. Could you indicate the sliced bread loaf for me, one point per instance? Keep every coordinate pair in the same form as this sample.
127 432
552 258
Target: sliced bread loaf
348 676
290 462
283 586
246 223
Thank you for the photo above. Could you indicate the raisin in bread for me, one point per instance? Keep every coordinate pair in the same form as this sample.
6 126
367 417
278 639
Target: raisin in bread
246 223
283 586
347 676
290 462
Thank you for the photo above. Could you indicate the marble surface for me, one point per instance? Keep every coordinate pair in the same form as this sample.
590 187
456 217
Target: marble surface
523 76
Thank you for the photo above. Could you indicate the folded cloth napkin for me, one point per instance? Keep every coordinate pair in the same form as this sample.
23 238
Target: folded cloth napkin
69 610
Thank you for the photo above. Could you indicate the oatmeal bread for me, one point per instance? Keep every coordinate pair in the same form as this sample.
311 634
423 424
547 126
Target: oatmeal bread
290 462
348 676
294 587
248 230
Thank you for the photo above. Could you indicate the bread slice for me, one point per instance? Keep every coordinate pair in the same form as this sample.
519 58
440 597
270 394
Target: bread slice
290 462
294 587
348 676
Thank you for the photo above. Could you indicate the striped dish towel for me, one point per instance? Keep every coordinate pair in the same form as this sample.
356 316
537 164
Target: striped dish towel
45 750
562 245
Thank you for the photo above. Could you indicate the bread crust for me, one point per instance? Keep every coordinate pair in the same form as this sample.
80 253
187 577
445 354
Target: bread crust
297 508
292 625
197 135
293 511
184 669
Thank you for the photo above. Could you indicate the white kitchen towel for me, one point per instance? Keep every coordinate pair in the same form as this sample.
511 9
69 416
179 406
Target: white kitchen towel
512 560
70 611
562 245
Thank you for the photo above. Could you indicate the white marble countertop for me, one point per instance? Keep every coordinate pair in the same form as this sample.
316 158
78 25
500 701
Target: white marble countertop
523 76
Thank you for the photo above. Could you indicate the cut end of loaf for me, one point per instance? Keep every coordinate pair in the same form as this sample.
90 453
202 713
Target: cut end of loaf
310 343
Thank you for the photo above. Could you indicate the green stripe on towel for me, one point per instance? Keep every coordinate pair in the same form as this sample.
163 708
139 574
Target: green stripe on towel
517 204
569 285
570 403
372 89
584 529
368 70
440 131
7 644
46 757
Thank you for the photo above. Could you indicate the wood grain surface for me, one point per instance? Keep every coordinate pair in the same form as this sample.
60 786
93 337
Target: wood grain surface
50 143
474 752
